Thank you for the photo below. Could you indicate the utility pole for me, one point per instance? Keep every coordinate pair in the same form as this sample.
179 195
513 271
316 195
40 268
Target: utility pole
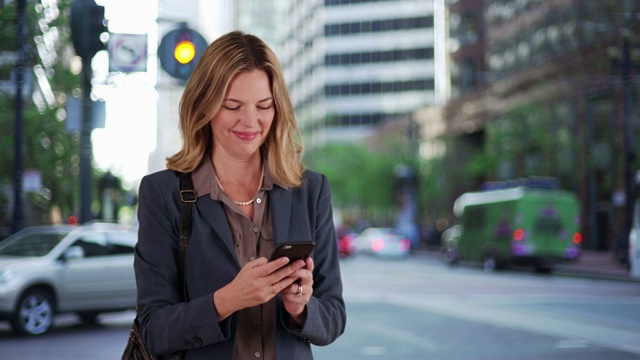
18 216
629 155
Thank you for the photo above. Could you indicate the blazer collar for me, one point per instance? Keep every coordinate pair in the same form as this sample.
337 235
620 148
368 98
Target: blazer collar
212 210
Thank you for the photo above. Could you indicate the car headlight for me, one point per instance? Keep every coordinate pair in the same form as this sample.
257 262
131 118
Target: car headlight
5 276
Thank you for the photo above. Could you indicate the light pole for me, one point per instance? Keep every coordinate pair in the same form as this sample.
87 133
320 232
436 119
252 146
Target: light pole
629 154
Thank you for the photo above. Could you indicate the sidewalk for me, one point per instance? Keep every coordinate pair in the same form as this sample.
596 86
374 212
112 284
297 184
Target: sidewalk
597 264
591 263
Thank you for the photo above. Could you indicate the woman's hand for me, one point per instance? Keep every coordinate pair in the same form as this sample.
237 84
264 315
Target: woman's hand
257 282
297 295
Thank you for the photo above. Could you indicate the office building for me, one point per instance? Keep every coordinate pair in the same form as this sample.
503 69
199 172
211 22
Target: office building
548 88
355 65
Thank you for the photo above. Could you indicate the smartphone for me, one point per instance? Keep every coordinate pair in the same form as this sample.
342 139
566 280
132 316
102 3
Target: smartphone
293 250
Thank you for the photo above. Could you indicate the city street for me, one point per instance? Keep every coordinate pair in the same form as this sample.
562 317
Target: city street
422 309
418 308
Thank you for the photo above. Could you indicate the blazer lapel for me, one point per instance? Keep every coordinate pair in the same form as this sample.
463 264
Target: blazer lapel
213 213
280 204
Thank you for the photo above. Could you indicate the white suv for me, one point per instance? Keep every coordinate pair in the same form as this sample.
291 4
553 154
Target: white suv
47 270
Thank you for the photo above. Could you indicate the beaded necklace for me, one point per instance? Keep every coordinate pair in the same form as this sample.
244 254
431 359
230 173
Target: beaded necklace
243 203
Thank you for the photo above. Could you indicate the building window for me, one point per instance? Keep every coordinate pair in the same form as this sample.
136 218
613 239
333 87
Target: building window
359 119
353 28
378 87
468 79
377 57
348 2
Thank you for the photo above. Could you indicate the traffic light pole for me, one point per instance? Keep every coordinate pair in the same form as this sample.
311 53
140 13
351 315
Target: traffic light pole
86 152
18 216
87 25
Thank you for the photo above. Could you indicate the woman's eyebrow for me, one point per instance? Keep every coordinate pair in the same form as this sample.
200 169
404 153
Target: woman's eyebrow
240 102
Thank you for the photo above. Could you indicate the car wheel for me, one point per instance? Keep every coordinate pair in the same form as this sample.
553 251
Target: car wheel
490 263
543 267
34 313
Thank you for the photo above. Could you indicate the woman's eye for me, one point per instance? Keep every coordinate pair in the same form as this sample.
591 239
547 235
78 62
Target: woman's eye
232 108
264 107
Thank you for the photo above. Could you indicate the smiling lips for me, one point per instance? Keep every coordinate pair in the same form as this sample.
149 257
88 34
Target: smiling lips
246 136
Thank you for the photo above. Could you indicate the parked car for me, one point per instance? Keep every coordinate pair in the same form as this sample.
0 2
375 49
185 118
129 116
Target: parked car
47 270
382 242
346 241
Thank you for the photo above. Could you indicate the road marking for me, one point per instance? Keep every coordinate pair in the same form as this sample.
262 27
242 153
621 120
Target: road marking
401 335
373 350
571 344
532 321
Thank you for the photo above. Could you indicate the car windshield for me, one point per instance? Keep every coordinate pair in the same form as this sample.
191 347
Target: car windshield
390 231
31 244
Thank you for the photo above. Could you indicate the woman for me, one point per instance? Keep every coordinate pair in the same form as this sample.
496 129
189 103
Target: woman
241 144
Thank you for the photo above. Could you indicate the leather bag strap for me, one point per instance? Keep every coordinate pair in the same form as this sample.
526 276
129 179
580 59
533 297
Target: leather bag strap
187 198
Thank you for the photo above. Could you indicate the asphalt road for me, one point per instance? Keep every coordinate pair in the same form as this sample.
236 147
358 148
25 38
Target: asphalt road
418 308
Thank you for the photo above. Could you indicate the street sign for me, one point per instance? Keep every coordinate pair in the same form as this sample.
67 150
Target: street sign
127 53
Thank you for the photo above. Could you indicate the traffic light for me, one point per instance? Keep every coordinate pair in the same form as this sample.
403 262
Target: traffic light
180 50
87 24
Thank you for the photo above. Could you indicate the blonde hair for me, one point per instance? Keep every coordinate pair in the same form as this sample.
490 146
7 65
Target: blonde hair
225 58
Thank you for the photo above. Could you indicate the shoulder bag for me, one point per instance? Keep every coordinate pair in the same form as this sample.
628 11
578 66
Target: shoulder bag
136 348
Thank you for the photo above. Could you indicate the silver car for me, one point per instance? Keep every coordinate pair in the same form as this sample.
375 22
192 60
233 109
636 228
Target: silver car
383 242
48 270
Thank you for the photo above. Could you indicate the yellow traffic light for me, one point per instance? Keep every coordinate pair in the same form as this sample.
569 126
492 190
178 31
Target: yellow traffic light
184 52
179 51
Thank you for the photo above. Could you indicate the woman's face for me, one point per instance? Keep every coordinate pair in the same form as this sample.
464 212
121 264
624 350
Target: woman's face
242 124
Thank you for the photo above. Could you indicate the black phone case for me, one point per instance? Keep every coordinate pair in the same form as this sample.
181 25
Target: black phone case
294 251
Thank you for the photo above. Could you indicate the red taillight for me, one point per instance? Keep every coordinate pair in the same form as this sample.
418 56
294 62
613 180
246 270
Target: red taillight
518 235
405 244
73 221
377 245
577 238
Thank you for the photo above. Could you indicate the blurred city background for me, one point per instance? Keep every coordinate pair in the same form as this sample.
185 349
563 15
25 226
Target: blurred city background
405 105
487 131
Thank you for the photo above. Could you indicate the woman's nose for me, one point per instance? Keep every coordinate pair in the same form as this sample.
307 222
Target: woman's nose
249 115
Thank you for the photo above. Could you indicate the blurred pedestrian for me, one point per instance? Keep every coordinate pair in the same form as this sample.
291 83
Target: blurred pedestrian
242 145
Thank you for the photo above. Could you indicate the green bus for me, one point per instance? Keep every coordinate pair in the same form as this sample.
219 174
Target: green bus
535 224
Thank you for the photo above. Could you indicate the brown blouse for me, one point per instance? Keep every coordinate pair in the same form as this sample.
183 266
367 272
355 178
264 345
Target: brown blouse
256 326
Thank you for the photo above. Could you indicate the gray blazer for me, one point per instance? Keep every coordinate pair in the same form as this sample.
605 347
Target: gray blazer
169 324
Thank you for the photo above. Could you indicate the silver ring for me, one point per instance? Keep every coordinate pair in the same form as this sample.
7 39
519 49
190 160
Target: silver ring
299 292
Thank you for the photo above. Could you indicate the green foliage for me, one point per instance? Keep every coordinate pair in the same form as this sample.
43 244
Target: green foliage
436 189
361 181
532 139
47 146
